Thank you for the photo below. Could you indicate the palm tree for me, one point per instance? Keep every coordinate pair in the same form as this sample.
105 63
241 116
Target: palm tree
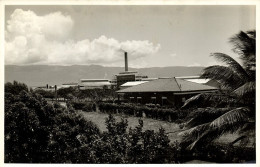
232 109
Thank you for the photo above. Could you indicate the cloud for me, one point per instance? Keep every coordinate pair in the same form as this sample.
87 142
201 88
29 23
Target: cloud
53 26
33 39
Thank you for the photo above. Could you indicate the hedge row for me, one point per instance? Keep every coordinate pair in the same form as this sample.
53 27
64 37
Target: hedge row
169 114
85 106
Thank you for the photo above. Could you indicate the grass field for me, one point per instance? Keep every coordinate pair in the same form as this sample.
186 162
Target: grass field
151 124
99 119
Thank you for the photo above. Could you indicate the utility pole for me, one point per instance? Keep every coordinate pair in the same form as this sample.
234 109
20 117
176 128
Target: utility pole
55 93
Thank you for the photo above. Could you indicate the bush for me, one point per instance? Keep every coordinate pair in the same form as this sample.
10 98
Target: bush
45 93
136 146
165 114
85 106
224 153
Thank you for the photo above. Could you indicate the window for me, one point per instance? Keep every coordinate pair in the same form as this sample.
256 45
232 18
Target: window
164 100
153 100
131 99
139 99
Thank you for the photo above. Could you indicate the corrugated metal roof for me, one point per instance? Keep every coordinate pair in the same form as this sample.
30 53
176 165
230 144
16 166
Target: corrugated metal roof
94 80
167 85
95 83
200 81
134 83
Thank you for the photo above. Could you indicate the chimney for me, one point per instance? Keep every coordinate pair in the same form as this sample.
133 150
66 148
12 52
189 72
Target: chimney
126 62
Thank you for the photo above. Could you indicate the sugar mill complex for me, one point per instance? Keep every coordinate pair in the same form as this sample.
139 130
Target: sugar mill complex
133 87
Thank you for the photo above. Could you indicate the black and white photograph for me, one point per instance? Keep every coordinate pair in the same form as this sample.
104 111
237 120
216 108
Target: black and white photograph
93 83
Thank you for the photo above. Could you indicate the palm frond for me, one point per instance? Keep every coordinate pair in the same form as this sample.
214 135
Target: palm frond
248 131
205 115
210 100
246 90
251 34
244 44
193 133
192 101
231 121
231 118
227 78
233 64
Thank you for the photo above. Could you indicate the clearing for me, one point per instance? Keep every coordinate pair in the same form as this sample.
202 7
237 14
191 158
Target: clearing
99 119
149 124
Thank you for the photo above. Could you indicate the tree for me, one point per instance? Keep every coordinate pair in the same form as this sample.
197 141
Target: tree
237 88
45 93
39 132
67 93
15 87
25 135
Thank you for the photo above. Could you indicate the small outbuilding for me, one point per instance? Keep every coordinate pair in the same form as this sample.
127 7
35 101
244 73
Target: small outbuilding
164 91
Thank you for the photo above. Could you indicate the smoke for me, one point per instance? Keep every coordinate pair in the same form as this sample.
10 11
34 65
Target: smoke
33 39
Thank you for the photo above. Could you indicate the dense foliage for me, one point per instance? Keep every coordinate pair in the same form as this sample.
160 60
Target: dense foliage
45 93
36 131
85 106
40 132
165 114
136 146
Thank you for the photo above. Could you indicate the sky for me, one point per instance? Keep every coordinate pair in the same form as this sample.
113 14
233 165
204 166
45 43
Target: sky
153 36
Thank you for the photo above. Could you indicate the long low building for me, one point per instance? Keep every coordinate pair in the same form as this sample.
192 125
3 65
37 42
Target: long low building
164 91
94 84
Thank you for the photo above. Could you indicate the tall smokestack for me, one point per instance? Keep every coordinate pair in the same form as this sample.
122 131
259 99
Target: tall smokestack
126 62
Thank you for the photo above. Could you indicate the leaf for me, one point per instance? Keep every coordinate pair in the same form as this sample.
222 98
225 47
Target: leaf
193 133
246 89
230 118
210 100
233 64
231 121
228 79
244 44
205 115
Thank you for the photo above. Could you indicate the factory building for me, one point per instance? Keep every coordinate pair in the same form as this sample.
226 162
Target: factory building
67 85
94 84
126 76
164 91
116 82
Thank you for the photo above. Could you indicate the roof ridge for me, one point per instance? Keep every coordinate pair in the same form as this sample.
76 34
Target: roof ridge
177 83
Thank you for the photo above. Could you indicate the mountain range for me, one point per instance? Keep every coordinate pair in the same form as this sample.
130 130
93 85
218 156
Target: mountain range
40 75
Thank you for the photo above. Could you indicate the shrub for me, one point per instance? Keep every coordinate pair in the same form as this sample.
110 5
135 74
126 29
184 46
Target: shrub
85 106
166 114
45 93
136 146
224 153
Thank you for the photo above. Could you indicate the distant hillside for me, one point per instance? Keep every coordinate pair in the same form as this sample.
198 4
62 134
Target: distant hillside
39 75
